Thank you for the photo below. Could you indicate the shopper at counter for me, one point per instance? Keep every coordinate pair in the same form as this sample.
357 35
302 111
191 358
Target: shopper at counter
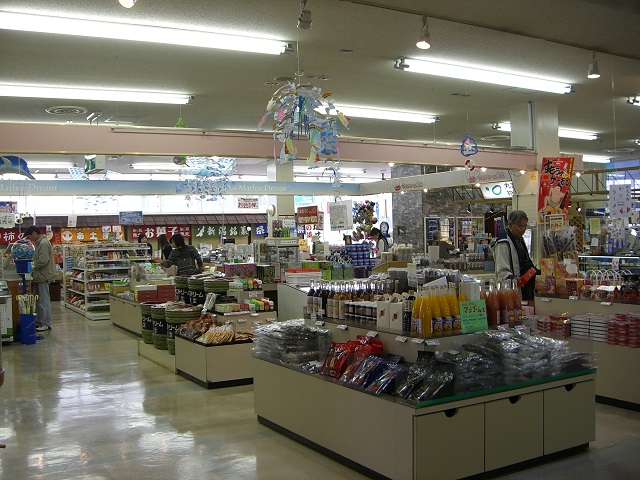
511 256
382 244
185 257
164 246
445 248
44 272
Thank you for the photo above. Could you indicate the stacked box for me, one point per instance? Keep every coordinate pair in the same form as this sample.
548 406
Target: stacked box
242 270
166 293
546 285
590 327
146 293
266 273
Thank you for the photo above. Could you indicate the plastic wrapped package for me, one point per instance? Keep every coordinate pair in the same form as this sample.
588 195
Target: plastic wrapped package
417 372
290 342
431 386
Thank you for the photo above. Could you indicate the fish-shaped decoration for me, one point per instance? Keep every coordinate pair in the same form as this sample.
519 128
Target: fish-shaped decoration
13 164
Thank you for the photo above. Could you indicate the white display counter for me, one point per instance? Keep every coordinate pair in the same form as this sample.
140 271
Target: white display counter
126 315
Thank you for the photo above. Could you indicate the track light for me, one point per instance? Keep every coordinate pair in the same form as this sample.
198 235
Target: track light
579 209
491 209
424 43
593 68
469 208
304 20
127 3
578 174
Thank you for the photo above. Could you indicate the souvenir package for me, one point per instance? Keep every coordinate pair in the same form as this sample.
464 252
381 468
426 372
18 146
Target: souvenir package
431 386
365 371
290 342
417 372
364 347
338 358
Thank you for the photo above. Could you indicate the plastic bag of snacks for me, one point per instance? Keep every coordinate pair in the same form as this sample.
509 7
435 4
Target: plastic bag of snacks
338 358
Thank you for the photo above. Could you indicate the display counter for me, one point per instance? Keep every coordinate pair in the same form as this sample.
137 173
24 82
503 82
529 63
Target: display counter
445 438
616 384
126 314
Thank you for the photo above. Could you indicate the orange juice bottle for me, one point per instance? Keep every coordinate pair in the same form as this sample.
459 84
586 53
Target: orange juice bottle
424 326
447 322
436 314
454 308
461 296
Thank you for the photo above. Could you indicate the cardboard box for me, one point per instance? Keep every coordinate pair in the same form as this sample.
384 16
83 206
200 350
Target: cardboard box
242 270
383 317
561 287
395 316
546 284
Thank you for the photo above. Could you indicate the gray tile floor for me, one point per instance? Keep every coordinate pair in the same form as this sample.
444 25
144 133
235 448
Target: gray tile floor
81 404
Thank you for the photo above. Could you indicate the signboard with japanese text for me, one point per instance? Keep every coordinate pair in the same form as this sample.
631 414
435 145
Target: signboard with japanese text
89 234
8 207
130 218
225 231
248 202
308 215
151 231
7 219
473 316
555 187
497 190
620 201
9 235
261 230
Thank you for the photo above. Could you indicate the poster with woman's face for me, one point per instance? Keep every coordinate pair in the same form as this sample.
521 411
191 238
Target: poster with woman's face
384 228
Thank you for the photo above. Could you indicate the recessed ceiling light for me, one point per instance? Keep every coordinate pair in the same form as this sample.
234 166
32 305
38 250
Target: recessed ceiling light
345 50
66 110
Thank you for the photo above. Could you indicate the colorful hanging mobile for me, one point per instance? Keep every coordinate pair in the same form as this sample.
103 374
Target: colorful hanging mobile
469 147
212 175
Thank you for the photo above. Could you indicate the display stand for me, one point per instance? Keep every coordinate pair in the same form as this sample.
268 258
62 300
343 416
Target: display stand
126 314
454 439
161 357
225 365
617 364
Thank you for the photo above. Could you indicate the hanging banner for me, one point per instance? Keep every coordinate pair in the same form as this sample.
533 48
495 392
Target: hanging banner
555 187
7 220
260 230
620 201
168 230
9 235
225 231
308 215
340 216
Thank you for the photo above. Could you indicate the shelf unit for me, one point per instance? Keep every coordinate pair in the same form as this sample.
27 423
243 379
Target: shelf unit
609 262
89 271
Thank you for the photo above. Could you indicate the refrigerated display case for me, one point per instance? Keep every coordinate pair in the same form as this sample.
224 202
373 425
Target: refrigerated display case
281 250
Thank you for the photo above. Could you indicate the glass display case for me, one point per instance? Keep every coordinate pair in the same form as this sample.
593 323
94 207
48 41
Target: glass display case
606 262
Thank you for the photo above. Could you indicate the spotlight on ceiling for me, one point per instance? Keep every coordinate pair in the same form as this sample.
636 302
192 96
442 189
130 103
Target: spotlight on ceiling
469 208
424 42
593 68
635 100
304 20
491 209
127 3
400 64
579 209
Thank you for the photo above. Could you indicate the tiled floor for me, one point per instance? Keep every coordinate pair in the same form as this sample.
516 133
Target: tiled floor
81 404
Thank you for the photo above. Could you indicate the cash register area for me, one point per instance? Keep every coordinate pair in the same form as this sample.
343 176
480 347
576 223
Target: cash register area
81 404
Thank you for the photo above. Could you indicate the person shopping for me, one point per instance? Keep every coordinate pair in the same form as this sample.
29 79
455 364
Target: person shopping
185 257
44 272
164 246
382 244
511 256
445 248
144 242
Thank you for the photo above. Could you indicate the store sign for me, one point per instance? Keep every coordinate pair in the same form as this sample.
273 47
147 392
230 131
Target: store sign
497 190
620 201
130 218
478 176
248 202
9 235
7 220
221 231
261 230
308 215
555 186
89 234
473 316
400 185
168 230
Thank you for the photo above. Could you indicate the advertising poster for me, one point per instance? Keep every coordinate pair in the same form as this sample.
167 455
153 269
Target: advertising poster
340 216
620 201
555 187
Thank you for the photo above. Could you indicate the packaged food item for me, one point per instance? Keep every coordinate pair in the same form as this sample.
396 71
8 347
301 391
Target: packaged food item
417 372
337 359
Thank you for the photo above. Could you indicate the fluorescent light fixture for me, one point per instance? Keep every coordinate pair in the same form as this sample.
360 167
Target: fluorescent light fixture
562 132
478 74
595 159
26 22
382 114
155 166
32 91
50 165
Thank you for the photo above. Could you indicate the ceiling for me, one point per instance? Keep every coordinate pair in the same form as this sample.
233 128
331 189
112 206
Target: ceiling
545 38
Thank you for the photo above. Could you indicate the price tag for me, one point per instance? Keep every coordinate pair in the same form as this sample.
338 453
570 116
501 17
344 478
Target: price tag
242 320
521 327
372 334
574 297
253 294
342 327
401 339
605 303
615 263
319 323
432 343
417 340
321 312
545 299
314 317
473 316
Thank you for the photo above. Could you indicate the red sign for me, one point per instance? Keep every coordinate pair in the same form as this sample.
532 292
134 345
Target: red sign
9 235
555 187
168 230
308 215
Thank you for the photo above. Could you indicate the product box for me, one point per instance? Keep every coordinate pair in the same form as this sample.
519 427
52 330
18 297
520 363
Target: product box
395 316
266 273
166 293
548 266
546 284
573 286
278 272
383 318
146 293
242 270
561 287
119 288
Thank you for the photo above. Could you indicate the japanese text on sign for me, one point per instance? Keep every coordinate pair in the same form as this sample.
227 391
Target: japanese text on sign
221 230
473 316
168 230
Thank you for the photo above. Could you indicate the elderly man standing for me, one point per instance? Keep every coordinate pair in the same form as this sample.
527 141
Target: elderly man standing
44 272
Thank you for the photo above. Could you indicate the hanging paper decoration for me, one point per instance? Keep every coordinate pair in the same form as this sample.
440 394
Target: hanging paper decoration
180 160
13 164
303 110
469 147
212 176
180 123
363 219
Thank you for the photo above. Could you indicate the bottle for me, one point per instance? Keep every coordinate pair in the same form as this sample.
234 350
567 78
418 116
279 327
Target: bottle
407 312
324 297
454 308
493 306
517 302
447 322
415 314
342 301
436 315
330 302
503 315
310 300
510 303
425 315
317 299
